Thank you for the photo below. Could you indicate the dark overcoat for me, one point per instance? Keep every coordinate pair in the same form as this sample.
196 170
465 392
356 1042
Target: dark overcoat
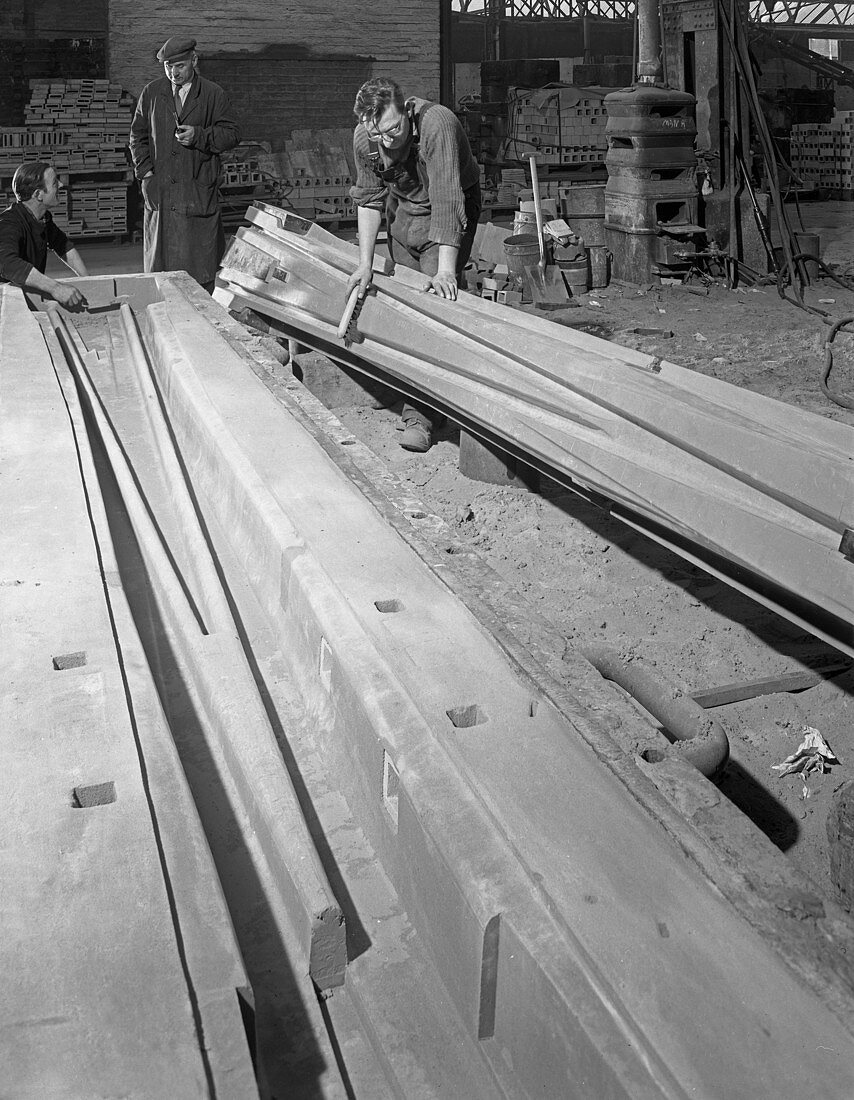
183 226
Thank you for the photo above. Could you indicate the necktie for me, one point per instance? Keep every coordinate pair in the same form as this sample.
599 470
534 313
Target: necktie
178 105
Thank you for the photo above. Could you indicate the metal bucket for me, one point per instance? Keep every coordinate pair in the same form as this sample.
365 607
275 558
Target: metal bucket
575 275
522 250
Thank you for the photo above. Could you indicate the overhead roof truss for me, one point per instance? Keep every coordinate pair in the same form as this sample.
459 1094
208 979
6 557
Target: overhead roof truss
780 12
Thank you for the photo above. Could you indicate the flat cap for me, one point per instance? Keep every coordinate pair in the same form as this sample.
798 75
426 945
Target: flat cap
176 48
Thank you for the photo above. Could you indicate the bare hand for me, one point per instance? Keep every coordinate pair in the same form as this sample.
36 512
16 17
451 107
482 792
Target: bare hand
361 278
185 134
69 297
444 284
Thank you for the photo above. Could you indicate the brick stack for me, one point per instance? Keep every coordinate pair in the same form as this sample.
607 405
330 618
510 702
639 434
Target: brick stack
96 210
319 197
821 154
18 145
81 127
563 125
515 186
241 173
94 114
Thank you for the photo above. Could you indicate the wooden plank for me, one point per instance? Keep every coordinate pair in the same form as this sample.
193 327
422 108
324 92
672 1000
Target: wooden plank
789 681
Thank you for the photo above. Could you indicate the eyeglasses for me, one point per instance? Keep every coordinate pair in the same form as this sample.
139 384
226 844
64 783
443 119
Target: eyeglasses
389 134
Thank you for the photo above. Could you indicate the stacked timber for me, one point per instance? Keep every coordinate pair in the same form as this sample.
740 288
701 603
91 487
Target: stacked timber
757 492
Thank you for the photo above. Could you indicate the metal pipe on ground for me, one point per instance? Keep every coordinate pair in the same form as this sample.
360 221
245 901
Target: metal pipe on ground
698 737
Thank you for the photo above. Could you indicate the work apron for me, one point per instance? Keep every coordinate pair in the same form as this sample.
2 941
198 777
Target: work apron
408 210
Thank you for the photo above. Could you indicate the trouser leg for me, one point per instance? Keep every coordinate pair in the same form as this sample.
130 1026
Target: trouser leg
414 411
426 260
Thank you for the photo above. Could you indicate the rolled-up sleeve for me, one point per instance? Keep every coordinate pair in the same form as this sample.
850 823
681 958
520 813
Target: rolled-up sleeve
367 191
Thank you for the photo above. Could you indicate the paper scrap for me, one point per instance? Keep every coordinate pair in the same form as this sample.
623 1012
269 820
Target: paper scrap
811 756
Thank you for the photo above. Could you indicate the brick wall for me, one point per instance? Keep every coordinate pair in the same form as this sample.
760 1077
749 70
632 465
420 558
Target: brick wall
272 96
47 38
286 63
26 59
48 19
11 21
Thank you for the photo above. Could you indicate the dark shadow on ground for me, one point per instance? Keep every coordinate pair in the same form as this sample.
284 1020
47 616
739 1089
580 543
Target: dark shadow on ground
760 805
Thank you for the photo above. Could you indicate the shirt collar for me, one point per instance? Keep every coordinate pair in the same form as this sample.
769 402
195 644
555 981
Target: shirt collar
29 214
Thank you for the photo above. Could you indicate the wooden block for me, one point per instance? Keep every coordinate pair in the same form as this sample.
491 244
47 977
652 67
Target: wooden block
752 689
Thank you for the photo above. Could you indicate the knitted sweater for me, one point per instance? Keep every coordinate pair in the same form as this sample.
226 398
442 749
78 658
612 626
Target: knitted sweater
446 169
24 242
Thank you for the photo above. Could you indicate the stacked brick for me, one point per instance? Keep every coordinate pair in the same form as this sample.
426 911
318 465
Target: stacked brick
96 210
95 115
81 127
515 186
563 125
821 154
322 198
241 173
18 145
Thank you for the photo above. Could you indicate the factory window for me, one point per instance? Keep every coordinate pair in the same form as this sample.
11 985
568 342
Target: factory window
827 47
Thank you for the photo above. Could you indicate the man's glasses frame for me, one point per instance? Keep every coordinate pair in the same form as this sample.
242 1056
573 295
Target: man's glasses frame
381 135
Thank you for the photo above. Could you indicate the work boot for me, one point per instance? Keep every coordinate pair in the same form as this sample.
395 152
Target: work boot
416 436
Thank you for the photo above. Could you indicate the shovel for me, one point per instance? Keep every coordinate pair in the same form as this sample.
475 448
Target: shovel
547 285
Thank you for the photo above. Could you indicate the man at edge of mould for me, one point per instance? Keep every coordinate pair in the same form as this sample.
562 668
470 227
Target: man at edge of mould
181 125
27 231
413 159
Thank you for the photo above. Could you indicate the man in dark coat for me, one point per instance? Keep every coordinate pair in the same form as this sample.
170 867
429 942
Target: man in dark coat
181 125
28 231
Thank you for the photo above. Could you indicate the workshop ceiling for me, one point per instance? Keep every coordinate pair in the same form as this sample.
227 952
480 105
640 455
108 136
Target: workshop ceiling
779 12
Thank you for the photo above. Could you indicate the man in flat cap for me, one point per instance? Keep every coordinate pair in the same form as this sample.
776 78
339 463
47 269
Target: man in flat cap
181 125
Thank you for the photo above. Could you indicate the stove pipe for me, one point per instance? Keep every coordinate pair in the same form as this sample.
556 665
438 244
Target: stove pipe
650 69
